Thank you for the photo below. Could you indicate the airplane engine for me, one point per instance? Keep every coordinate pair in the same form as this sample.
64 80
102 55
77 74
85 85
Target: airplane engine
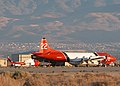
33 56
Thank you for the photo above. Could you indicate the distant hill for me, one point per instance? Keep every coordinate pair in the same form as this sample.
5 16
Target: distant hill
85 20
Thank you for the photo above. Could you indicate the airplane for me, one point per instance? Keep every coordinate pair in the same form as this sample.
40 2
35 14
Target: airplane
109 59
96 58
15 63
48 54
29 62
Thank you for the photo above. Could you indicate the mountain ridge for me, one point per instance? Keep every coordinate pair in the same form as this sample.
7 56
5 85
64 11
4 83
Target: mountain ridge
59 19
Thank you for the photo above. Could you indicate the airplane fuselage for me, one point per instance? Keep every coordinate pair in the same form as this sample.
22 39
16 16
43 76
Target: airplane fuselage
52 55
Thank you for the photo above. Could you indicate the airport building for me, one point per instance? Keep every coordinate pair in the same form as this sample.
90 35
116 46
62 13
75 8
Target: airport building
3 62
20 57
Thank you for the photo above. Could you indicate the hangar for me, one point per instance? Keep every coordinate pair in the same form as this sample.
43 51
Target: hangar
20 57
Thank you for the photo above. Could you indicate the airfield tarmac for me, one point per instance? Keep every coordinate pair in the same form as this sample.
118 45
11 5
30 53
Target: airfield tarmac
61 69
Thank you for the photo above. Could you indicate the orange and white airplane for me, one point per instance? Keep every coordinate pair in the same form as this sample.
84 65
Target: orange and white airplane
15 63
48 53
29 62
74 58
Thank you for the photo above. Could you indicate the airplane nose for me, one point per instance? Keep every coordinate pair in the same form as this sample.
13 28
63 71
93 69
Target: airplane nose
113 58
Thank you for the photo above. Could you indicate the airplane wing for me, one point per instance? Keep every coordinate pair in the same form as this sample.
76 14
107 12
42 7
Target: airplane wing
97 58
78 61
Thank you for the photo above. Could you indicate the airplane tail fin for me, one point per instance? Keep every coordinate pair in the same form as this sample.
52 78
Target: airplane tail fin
44 47
8 58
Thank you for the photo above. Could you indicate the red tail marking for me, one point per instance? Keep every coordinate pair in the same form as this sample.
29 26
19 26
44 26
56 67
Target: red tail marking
44 47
